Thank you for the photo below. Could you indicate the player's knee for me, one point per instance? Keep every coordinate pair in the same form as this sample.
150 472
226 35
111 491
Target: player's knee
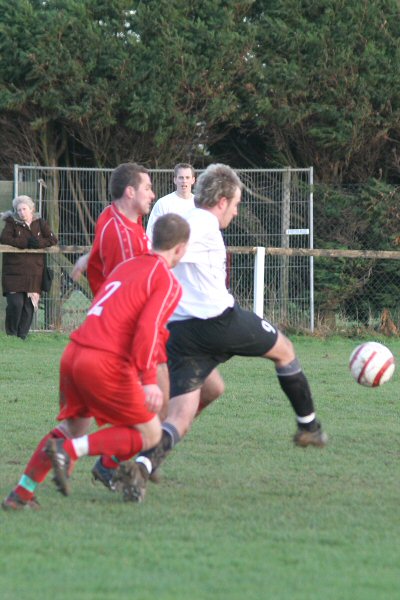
282 352
289 351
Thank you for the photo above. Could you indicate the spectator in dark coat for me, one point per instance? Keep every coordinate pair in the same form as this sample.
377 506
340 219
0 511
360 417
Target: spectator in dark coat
23 272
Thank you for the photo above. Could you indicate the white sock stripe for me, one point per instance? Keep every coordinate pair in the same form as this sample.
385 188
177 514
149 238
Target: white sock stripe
146 462
306 419
81 446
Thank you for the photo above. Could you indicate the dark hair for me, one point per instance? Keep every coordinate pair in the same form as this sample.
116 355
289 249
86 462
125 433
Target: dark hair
215 182
170 230
183 166
124 175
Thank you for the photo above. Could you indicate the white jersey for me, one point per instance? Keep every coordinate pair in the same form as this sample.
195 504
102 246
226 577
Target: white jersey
172 203
202 270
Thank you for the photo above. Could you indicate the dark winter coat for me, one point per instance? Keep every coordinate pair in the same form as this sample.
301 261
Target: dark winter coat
23 272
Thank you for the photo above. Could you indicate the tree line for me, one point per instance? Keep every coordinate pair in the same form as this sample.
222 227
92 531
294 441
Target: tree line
256 83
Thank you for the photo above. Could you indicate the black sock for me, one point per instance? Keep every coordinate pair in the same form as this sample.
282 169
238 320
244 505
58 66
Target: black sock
172 431
170 437
295 385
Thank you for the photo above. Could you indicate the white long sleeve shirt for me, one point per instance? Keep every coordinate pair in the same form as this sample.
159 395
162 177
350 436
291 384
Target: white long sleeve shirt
172 203
202 270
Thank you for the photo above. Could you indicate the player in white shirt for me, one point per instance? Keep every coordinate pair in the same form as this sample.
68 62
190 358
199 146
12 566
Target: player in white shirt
204 294
178 202
209 327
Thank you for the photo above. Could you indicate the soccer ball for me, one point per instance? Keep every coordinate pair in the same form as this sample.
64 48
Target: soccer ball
371 364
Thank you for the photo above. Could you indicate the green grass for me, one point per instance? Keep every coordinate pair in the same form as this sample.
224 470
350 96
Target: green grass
241 513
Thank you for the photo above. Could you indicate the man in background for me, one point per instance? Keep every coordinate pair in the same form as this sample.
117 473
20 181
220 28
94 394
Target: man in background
179 201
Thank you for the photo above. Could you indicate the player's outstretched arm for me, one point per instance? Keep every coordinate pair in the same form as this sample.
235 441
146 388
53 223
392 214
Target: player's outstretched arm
80 267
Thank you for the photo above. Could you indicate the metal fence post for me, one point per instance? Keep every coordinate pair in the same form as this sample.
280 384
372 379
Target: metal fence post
311 244
259 279
15 181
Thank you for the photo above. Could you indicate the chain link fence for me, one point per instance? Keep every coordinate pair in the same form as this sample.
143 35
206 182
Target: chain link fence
358 291
281 208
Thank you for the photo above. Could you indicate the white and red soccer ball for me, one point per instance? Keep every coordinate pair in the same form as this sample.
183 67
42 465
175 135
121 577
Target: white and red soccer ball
372 364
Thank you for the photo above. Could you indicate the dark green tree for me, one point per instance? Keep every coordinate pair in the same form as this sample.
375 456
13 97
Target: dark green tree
323 89
258 83
118 80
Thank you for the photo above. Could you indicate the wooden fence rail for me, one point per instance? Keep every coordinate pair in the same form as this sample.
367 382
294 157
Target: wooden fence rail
321 252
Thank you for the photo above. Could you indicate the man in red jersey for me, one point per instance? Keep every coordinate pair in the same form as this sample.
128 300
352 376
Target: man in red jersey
109 370
119 232
119 235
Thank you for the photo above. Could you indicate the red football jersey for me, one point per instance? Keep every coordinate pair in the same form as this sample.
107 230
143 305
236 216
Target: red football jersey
117 238
129 313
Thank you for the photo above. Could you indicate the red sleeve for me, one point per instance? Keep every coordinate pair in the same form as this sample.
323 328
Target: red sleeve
95 269
105 253
164 295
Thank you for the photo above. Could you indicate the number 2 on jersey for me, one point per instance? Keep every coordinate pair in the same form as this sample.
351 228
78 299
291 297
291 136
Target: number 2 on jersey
97 308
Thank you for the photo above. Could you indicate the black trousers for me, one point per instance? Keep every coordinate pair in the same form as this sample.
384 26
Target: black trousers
19 314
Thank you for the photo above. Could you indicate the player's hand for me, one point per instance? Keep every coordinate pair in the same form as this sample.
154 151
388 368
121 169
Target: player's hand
79 267
154 397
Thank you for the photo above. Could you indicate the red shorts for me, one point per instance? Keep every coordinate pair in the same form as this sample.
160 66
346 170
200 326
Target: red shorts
99 384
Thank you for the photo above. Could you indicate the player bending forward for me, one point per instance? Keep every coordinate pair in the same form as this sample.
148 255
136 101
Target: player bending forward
109 370
209 327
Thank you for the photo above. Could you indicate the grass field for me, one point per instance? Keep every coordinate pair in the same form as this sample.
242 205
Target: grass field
241 513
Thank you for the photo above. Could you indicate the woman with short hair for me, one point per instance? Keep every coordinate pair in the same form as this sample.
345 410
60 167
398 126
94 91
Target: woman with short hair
23 272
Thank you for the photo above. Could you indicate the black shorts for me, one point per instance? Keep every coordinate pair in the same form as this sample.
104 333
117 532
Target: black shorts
197 346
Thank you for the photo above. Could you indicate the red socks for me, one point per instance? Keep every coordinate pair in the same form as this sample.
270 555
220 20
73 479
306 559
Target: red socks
116 441
112 441
37 468
122 442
